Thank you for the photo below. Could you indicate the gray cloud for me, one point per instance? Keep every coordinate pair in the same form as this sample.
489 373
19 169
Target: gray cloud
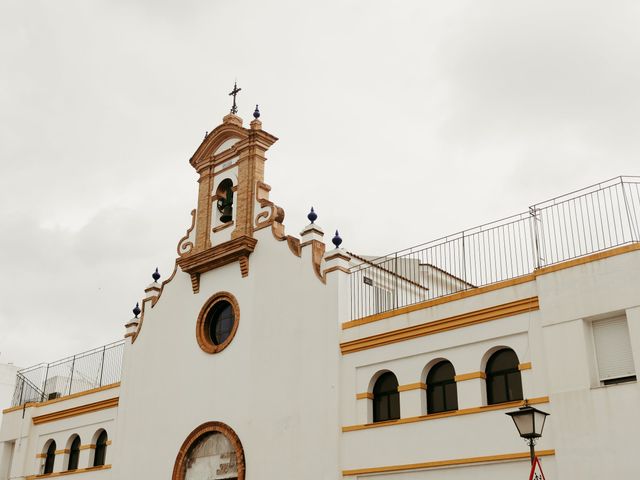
398 123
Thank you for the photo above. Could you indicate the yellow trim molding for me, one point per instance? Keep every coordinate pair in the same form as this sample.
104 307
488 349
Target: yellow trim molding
69 472
447 463
364 396
494 286
588 259
58 452
453 413
469 376
524 366
412 386
87 447
19 407
75 411
62 399
438 301
41 455
458 321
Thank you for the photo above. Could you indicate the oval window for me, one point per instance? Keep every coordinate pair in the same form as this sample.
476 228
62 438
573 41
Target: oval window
217 322
220 320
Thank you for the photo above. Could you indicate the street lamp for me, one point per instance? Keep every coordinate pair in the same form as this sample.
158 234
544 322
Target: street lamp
529 422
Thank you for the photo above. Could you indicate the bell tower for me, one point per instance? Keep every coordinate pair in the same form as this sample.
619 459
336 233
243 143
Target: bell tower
232 197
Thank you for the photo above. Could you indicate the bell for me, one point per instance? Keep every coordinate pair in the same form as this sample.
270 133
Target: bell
226 214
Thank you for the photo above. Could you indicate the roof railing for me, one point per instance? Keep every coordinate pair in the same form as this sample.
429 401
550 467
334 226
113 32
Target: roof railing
78 373
586 221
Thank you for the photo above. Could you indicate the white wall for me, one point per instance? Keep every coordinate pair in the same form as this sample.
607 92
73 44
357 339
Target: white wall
592 427
275 384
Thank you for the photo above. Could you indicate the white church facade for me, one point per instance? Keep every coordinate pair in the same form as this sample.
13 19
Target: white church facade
270 356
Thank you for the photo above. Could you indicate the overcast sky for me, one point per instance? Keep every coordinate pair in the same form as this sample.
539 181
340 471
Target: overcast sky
399 121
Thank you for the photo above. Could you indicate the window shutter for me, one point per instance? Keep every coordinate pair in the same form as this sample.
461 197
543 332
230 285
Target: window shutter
613 348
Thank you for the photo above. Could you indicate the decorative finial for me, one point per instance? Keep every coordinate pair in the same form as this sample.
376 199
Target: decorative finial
256 113
156 275
206 134
234 92
337 240
312 215
136 311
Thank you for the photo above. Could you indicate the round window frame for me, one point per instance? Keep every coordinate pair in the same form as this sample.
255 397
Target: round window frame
196 435
202 328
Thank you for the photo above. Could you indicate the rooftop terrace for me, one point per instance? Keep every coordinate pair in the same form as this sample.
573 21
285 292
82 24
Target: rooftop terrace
580 223
78 373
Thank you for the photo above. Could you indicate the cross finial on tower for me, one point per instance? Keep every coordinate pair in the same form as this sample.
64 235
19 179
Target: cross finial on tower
234 92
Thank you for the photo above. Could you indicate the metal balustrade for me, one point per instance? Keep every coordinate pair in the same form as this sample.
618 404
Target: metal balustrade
590 220
78 373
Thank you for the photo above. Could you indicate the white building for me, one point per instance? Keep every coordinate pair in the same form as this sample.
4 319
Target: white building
269 356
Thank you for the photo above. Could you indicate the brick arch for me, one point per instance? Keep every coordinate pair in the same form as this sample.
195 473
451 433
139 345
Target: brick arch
199 432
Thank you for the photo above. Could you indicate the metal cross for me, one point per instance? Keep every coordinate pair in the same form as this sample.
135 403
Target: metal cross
234 92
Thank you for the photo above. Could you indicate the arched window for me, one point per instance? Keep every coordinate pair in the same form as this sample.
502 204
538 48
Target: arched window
74 454
224 192
503 377
50 459
442 394
213 450
386 399
101 450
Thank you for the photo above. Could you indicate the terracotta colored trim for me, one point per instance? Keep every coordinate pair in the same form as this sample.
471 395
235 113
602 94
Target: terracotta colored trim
469 376
448 463
453 413
62 399
336 268
155 299
524 366
438 301
364 396
450 323
19 407
294 245
202 328
69 472
187 247
222 227
75 411
333 254
228 252
195 435
412 386
41 455
79 394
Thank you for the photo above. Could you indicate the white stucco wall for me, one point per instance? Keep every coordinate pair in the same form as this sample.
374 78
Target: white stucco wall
275 384
592 426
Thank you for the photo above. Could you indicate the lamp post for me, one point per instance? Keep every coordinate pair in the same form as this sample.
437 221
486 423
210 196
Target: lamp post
529 422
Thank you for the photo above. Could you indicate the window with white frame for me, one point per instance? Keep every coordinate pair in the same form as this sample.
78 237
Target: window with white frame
614 358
